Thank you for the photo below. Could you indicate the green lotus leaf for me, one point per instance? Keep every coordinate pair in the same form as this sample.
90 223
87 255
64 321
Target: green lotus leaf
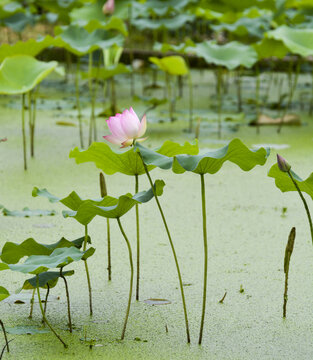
108 72
36 264
3 293
88 210
4 266
45 193
231 55
207 14
21 73
254 27
46 278
270 47
126 162
114 23
164 23
284 183
298 41
12 252
26 212
180 48
209 162
9 8
160 8
79 41
30 47
173 65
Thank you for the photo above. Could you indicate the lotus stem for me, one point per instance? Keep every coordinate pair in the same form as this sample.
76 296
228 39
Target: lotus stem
304 203
131 277
92 113
103 193
131 52
5 336
23 131
32 300
46 301
87 272
311 100
292 88
257 97
68 301
288 252
190 101
169 96
79 115
205 244
172 247
219 95
138 239
238 82
113 96
44 316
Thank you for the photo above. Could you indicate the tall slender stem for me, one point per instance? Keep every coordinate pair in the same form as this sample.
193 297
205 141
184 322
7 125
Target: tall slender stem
5 335
190 98
32 300
87 271
23 131
205 244
79 115
172 247
109 250
68 301
46 301
91 121
131 277
44 316
219 95
138 239
257 98
304 203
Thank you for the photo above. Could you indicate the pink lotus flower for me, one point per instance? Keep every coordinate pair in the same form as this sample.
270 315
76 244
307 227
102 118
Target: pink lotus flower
282 164
108 7
126 128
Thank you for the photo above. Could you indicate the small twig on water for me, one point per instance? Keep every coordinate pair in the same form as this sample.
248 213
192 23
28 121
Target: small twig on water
223 298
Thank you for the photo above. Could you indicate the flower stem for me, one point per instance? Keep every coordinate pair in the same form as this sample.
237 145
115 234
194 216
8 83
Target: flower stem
32 304
205 243
87 271
44 316
68 301
304 203
79 115
138 239
109 250
23 131
5 336
172 247
131 277
46 301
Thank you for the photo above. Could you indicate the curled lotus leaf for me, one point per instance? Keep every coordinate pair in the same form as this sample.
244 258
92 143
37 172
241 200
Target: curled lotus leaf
126 162
21 73
210 162
12 252
231 55
48 278
3 293
113 207
79 41
173 65
298 41
171 23
285 184
270 47
180 48
36 264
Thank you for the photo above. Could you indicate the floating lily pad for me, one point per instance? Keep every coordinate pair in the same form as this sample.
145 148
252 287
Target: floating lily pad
26 330
3 293
26 212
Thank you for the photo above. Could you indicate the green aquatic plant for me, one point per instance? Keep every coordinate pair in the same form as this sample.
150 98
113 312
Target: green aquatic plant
206 163
287 180
20 74
103 193
3 295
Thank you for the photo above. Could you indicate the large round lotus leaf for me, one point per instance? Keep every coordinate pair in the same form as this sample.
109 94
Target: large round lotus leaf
30 47
79 41
245 26
9 8
270 47
298 41
108 72
172 23
231 55
21 73
3 293
173 65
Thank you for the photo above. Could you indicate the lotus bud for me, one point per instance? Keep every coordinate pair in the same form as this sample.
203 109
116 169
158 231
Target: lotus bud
103 186
283 164
108 7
